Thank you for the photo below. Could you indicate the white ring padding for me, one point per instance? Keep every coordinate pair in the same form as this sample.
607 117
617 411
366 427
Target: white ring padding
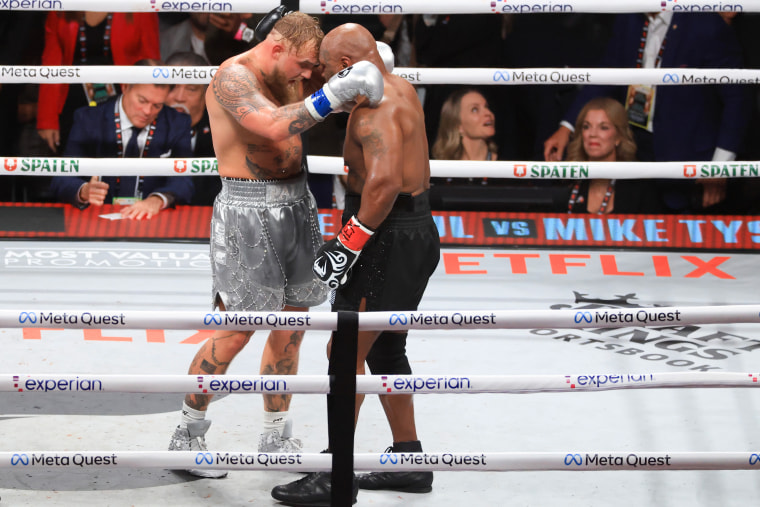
368 384
397 7
525 170
417 76
574 461
382 321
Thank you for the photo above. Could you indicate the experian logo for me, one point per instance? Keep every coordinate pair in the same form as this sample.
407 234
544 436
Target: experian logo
194 6
378 8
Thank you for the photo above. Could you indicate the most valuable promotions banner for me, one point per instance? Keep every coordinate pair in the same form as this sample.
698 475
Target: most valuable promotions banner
455 228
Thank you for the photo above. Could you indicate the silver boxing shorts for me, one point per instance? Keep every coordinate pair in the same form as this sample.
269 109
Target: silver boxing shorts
264 237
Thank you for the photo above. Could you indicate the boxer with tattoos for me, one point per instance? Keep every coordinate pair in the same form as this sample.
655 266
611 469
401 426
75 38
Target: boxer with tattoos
264 228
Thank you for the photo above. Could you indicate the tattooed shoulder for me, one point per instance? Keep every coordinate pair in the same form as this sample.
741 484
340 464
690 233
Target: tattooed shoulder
236 89
370 136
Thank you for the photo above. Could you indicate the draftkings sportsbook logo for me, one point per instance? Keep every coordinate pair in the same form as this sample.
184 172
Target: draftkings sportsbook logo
657 336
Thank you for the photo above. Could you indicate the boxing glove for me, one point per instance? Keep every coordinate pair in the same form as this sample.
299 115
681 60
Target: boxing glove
267 22
335 258
386 53
361 78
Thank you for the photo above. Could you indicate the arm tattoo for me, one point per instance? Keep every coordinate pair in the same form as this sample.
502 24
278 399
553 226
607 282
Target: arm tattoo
372 142
302 119
237 91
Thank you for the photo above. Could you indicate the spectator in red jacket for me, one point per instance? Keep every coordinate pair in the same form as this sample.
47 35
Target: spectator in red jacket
89 38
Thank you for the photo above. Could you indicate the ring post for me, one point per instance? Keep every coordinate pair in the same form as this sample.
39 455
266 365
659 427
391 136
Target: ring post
341 407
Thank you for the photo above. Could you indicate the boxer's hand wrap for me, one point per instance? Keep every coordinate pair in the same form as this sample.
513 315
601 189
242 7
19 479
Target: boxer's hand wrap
362 78
335 258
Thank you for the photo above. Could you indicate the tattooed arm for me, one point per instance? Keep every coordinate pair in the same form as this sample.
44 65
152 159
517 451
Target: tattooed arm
378 135
238 92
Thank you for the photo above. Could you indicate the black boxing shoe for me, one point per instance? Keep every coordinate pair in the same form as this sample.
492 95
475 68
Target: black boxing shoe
406 482
313 490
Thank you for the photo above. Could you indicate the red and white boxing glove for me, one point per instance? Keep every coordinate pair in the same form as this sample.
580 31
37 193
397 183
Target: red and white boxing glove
335 258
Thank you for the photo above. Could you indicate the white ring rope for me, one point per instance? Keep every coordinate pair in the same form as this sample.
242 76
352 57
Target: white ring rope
574 461
416 75
526 170
367 384
385 321
392 7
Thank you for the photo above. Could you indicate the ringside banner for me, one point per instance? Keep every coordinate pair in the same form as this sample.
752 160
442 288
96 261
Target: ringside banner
688 232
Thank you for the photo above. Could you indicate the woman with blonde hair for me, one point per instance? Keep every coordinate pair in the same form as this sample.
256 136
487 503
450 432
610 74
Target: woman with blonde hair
602 134
466 128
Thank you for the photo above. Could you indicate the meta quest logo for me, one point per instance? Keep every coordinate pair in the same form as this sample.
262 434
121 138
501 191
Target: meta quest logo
683 346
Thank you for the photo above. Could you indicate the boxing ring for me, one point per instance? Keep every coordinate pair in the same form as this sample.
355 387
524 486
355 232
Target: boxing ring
662 366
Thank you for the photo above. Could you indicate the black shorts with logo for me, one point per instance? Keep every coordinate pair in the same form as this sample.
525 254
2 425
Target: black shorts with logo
395 265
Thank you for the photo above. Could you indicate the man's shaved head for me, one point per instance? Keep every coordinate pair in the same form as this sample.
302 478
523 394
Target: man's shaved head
346 45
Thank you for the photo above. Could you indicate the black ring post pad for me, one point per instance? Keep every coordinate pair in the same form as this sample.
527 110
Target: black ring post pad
266 24
341 406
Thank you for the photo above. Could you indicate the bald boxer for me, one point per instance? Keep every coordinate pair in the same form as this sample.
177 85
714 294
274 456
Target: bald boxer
388 248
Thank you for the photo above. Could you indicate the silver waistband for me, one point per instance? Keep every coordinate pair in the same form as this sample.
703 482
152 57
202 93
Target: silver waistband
263 192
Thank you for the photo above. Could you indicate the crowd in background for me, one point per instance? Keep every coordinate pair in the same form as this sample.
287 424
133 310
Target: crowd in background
477 123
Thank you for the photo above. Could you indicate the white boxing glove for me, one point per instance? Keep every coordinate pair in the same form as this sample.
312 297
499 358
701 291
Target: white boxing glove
362 78
386 53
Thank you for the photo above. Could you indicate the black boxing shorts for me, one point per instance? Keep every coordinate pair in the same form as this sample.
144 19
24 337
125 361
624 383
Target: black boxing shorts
394 267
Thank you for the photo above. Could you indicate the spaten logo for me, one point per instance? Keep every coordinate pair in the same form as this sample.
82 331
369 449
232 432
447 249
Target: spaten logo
180 166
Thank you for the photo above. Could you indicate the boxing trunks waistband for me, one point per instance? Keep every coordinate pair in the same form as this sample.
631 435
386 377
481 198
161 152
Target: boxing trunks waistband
263 193
405 203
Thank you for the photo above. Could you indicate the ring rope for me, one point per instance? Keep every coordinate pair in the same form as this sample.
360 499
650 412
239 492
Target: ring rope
398 462
369 384
525 170
38 74
398 7
381 321
532 170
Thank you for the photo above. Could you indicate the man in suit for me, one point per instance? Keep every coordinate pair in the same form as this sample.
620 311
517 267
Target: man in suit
190 99
133 124
671 123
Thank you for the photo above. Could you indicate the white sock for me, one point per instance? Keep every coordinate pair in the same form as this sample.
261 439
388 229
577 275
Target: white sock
190 415
275 421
